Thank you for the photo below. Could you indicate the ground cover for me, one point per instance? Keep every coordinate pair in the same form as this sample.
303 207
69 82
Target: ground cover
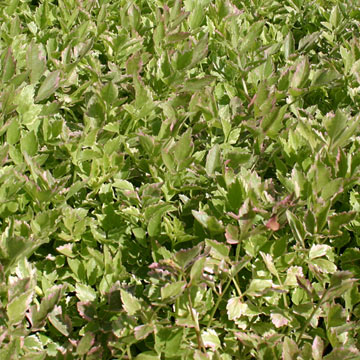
179 179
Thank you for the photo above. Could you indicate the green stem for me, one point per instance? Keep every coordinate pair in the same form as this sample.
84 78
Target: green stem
128 352
218 302
237 286
306 324
201 345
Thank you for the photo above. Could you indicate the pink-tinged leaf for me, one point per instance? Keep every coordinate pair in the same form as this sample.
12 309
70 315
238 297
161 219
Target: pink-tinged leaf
279 320
290 349
60 321
235 308
66 250
37 315
143 331
232 234
317 348
272 224
292 273
301 74
86 310
211 339
49 86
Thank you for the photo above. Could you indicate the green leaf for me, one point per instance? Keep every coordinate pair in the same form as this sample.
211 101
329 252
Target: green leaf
85 344
148 355
184 257
184 147
350 260
76 265
250 41
269 263
340 282
218 250
18 306
200 50
272 123
36 61
331 188
258 286
13 132
196 15
296 226
61 323
208 222
8 66
131 303
29 143
26 107
154 225
336 316
183 59
168 340
109 92
235 195
308 41
335 16
317 251
85 292
198 84
173 289
322 215
213 161
197 270
232 234
324 265
140 235
338 220
49 86
289 45
323 77
335 124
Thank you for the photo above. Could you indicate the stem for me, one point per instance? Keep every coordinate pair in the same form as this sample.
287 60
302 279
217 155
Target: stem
306 324
128 352
237 255
282 286
218 302
237 286
201 345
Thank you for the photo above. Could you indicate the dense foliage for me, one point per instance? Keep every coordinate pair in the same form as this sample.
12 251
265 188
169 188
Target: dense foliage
179 179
